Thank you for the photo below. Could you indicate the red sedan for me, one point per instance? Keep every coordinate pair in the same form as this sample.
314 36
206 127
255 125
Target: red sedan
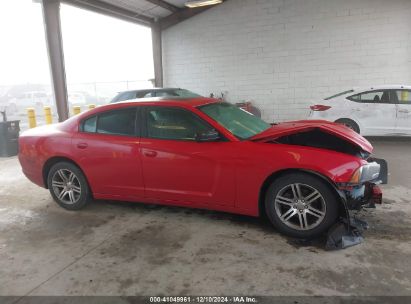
203 153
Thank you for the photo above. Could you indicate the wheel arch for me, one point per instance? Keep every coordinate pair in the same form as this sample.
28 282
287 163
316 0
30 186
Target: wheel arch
57 159
275 175
359 125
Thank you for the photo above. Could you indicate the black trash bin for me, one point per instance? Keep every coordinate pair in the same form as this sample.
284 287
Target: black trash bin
9 138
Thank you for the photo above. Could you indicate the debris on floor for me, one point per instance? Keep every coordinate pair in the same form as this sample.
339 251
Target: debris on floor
345 234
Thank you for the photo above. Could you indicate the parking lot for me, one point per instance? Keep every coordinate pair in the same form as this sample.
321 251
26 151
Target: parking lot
116 248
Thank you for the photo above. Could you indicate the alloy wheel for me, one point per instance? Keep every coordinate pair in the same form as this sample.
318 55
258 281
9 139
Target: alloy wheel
66 186
300 206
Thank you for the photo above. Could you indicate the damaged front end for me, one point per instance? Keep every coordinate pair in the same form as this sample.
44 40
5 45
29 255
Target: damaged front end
362 192
363 188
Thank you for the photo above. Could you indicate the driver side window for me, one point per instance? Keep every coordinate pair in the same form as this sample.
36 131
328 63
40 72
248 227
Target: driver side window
174 124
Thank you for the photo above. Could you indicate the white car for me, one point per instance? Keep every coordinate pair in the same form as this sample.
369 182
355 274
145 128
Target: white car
376 111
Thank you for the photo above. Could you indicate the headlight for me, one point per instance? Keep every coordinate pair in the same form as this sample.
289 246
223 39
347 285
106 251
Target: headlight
368 172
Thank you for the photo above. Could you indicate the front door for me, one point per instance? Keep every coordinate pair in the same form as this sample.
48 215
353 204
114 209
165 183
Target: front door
375 111
176 167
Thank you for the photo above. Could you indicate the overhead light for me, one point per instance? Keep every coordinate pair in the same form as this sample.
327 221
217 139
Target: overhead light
198 3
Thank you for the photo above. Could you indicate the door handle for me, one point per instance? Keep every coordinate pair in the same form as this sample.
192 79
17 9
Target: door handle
403 111
150 153
82 145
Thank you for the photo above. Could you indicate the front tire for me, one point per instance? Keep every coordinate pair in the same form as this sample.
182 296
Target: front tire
68 186
301 205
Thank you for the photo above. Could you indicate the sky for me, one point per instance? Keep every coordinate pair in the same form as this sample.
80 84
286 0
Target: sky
96 48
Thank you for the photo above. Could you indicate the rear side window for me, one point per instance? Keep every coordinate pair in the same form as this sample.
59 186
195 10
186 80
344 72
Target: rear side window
117 122
382 96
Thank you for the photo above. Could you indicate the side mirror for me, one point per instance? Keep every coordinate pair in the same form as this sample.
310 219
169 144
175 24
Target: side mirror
211 135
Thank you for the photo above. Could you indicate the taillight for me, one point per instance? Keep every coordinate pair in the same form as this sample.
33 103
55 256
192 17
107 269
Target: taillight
320 108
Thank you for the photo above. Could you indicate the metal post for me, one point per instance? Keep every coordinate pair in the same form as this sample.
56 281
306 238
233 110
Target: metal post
76 110
31 114
47 115
52 26
157 54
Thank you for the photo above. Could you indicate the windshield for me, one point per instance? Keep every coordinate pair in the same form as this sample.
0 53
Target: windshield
239 122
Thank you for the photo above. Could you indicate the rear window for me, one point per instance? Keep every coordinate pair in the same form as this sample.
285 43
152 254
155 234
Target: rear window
339 94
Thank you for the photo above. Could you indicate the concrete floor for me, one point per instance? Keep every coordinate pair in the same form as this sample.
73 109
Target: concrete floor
115 248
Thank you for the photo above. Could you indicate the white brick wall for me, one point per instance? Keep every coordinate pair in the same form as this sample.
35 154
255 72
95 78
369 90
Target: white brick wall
285 54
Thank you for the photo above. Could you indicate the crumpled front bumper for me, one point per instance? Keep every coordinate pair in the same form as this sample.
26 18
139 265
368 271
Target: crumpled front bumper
348 231
367 194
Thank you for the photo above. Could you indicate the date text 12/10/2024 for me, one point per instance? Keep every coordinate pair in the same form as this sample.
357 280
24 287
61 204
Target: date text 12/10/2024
203 299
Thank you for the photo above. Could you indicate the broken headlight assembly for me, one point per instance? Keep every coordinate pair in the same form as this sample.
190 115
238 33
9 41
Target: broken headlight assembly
366 173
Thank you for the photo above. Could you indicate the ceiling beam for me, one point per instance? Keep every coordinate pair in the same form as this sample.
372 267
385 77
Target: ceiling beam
181 16
105 8
165 5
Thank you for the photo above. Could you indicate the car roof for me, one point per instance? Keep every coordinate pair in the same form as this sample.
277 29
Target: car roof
187 101
382 87
150 90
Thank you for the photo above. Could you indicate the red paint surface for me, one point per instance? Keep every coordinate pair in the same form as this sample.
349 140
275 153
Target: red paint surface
225 176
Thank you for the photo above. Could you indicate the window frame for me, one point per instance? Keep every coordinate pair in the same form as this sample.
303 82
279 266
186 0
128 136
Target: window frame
137 122
144 123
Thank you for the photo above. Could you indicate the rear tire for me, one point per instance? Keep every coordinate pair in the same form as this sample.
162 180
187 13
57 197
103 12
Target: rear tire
68 186
301 205
349 123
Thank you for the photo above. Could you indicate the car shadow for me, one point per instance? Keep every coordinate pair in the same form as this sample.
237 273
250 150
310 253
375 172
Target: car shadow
260 224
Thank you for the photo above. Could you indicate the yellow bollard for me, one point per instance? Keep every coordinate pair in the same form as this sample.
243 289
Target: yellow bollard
47 115
31 114
91 106
76 110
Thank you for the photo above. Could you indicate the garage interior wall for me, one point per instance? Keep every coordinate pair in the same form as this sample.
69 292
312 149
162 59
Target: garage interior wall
286 54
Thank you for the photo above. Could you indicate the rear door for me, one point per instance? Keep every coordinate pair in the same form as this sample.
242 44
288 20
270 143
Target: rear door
375 111
176 167
403 102
107 149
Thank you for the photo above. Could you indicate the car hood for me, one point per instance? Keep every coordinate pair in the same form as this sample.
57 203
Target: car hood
301 126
